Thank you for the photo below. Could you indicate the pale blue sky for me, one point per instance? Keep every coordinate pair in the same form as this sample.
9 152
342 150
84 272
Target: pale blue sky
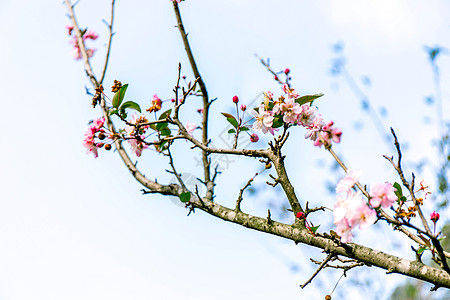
74 227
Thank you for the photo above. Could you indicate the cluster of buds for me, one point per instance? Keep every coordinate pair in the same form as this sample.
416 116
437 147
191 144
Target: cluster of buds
98 95
410 211
116 86
87 35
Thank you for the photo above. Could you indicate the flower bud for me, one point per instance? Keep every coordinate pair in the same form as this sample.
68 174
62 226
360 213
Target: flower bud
434 217
254 138
276 77
235 99
243 107
300 215
286 71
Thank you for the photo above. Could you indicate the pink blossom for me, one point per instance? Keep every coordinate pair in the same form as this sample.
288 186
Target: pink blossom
361 214
291 92
341 208
290 110
336 135
98 123
76 54
306 116
314 128
254 138
382 194
90 35
264 119
346 183
243 107
351 211
137 146
88 141
344 230
190 127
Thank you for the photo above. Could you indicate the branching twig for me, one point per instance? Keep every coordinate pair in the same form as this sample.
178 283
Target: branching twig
241 191
321 266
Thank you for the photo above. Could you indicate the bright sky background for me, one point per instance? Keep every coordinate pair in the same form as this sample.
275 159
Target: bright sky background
75 227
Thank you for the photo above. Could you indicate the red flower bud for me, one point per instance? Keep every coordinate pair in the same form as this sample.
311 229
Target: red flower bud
300 215
276 77
235 99
286 71
434 217
243 107
254 138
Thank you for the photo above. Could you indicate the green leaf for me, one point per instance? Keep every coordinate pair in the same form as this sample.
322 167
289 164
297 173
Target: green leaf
153 126
231 131
233 122
185 197
231 119
227 115
308 98
165 114
277 122
421 250
243 128
166 131
161 126
398 188
403 199
132 105
119 95
314 228
113 112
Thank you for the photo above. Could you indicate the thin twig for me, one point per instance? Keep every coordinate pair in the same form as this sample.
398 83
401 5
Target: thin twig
321 266
110 26
205 98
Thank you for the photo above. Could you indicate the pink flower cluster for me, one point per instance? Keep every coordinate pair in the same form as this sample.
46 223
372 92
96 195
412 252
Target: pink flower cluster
89 136
88 35
293 113
351 210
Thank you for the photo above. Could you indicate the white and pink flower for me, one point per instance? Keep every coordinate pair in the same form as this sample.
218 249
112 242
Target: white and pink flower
263 119
190 127
290 111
